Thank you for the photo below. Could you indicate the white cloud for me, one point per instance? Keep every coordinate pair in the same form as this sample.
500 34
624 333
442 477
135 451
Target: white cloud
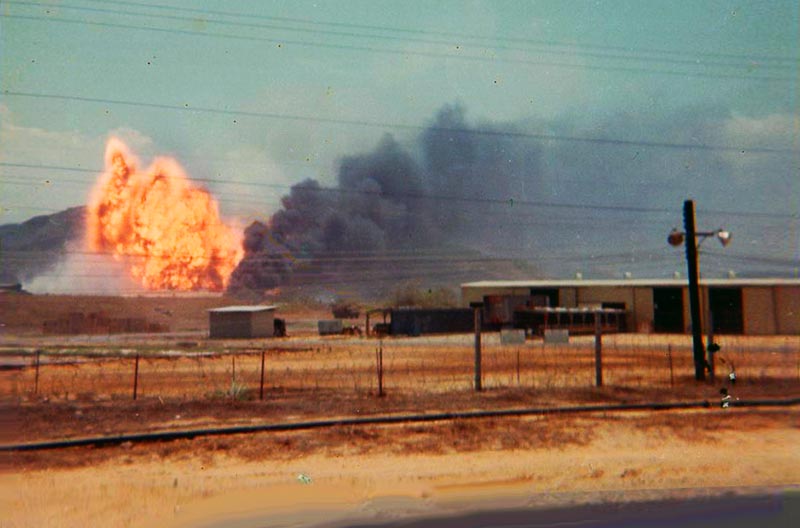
35 189
775 130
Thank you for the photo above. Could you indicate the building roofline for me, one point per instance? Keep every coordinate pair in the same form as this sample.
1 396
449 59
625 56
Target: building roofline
621 283
248 309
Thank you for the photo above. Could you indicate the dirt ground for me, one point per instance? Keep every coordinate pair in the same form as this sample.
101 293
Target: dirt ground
366 472
383 472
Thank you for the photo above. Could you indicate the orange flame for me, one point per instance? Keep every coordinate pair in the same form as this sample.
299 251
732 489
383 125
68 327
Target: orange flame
170 228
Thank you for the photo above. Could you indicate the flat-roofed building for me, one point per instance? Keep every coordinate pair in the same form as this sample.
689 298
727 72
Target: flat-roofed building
737 306
234 322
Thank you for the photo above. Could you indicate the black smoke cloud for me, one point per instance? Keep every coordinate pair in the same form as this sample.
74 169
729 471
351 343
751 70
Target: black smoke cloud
487 186
391 199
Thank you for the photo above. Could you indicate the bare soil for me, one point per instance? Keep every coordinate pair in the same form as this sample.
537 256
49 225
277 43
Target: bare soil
381 472
84 389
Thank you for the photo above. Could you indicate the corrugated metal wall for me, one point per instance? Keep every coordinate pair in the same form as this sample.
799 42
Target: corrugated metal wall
227 325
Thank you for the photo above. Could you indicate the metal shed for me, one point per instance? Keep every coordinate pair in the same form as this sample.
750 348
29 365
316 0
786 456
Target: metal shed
241 322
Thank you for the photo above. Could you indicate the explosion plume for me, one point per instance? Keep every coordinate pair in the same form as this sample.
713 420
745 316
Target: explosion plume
168 229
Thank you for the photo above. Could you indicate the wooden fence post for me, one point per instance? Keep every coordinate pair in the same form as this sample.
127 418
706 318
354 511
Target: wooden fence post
379 358
711 348
36 378
477 321
136 377
669 359
598 350
261 385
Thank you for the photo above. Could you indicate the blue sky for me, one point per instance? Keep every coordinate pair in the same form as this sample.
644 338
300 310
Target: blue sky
715 72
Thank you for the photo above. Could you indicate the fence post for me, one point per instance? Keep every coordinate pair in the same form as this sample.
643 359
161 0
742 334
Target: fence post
477 319
669 359
710 348
379 358
598 351
36 377
261 384
136 377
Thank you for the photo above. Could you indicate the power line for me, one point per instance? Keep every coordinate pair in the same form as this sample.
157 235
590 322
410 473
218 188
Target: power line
404 53
403 126
575 53
408 256
416 31
434 197
224 197
497 201
424 254
759 259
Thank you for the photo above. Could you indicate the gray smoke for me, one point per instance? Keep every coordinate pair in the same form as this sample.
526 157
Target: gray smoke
375 206
490 187
391 199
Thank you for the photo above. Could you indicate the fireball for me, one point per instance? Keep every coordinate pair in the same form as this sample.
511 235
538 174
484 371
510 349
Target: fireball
167 229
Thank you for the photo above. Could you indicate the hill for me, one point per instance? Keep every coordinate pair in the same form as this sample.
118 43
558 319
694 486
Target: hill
33 246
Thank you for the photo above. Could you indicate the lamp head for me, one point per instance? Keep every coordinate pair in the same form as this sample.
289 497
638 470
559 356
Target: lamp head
675 238
724 237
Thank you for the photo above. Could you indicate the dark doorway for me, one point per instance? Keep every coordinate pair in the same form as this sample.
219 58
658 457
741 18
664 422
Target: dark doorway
726 310
668 310
545 297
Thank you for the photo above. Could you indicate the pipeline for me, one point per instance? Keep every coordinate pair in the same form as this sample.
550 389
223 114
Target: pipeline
164 436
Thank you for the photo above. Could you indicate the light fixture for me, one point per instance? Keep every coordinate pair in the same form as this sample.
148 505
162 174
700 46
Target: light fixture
675 237
724 237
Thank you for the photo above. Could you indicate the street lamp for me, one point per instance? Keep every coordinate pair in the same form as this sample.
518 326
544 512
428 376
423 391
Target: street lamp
676 238
689 237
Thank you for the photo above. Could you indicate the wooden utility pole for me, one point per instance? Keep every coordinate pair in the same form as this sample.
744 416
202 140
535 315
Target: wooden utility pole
694 290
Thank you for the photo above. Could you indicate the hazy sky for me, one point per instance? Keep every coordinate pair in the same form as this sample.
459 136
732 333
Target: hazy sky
304 83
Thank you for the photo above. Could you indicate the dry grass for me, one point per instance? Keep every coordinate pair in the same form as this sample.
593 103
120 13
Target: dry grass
409 367
85 387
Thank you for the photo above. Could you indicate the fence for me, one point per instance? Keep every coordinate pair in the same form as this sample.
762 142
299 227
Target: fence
409 366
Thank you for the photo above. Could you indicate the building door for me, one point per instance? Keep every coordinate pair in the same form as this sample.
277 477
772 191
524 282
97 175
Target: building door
545 297
726 310
668 310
